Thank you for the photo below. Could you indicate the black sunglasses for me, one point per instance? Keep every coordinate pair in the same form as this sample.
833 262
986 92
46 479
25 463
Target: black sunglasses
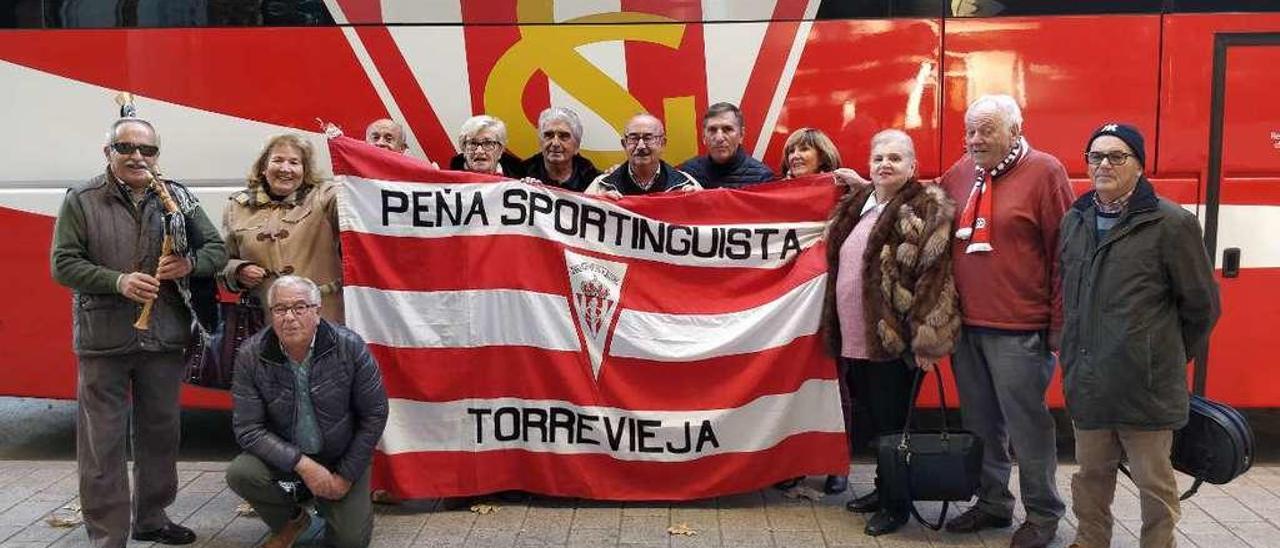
128 148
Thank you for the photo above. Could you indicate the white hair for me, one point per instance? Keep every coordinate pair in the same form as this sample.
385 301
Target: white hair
394 124
561 114
1004 107
891 135
114 131
476 124
313 291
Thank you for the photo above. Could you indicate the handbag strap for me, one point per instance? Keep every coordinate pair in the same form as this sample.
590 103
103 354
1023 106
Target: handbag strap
1191 491
942 516
915 386
904 444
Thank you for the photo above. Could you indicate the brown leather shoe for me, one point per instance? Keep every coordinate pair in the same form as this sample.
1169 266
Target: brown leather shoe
974 520
287 535
1030 535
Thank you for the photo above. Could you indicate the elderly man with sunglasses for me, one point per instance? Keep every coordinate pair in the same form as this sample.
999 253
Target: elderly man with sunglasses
644 138
308 409
108 249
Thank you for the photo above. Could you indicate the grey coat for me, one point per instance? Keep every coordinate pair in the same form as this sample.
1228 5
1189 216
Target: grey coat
347 395
1137 306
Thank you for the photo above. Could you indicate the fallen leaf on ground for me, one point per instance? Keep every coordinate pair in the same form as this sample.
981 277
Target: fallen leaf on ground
67 516
803 491
382 496
245 509
484 508
681 529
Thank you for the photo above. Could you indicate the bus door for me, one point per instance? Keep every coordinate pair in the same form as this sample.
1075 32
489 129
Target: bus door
1242 219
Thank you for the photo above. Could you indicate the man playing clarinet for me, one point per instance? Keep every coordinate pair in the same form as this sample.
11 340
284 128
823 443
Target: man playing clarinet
107 248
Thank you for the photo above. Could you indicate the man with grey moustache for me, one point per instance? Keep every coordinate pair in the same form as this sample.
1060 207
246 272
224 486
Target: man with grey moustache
644 138
109 248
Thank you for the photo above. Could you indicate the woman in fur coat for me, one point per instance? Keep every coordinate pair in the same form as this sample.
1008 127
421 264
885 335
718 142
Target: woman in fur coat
891 310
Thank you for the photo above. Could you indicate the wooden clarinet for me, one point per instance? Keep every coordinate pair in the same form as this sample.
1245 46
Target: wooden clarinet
162 191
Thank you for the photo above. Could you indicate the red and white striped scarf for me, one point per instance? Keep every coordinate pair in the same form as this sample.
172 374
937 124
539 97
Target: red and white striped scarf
975 223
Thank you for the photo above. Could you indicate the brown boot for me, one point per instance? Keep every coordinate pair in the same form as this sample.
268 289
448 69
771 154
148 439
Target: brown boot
287 535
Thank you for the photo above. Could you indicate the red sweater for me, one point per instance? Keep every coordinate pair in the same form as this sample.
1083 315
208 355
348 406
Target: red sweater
1017 286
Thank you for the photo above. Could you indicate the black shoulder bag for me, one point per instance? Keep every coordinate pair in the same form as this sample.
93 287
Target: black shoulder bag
1215 446
929 465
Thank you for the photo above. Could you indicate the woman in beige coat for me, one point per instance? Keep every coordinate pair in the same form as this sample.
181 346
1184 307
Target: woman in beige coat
286 222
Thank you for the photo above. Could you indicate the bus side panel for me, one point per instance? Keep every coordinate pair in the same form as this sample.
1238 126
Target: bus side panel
1185 93
35 322
1069 77
859 77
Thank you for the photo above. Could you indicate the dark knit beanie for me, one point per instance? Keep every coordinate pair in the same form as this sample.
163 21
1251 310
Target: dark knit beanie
1125 132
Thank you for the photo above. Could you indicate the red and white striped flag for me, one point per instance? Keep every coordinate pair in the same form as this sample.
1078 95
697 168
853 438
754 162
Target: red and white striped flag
656 348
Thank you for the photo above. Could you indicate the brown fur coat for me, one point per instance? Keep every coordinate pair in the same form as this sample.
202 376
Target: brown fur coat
908 296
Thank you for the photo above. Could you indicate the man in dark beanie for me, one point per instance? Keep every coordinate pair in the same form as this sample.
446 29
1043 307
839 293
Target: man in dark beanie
1139 301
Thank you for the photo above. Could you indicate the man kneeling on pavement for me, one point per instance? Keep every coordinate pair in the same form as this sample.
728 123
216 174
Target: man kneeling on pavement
321 444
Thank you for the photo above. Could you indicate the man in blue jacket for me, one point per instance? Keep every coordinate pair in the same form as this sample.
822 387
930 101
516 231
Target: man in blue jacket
726 163
308 409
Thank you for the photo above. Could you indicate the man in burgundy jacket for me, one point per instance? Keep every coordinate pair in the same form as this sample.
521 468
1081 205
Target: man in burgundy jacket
1012 200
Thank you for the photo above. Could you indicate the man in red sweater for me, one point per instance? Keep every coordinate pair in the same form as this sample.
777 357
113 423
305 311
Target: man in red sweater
1006 271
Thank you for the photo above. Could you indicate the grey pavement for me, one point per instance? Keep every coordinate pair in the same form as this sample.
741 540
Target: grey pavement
1245 513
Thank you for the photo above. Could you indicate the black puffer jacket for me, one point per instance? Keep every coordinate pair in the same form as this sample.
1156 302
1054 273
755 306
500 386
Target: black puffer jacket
346 392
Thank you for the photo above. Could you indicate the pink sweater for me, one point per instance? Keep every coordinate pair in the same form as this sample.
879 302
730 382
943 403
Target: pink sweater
849 280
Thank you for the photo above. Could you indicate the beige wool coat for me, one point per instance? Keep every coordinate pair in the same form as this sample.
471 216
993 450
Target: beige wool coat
297 235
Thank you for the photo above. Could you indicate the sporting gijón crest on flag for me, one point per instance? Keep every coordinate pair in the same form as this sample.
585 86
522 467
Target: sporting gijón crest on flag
540 340
596 285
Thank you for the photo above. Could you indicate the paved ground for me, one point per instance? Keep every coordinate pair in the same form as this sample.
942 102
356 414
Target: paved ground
1243 514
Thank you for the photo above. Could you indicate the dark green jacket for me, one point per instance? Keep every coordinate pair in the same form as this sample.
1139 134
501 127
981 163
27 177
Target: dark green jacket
1137 306
100 235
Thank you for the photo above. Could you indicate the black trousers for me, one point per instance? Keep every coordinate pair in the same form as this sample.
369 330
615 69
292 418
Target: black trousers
876 396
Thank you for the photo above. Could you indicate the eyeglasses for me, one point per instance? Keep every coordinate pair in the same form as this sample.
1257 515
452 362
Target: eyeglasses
648 138
282 310
128 148
558 135
486 145
1115 158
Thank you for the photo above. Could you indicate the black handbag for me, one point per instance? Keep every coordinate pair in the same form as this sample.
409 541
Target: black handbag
215 366
929 465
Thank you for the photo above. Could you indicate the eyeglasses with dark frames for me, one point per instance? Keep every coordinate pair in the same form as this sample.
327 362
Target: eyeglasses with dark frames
647 138
1115 158
487 145
298 309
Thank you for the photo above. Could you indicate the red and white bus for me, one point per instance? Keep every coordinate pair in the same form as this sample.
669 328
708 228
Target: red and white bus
218 77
